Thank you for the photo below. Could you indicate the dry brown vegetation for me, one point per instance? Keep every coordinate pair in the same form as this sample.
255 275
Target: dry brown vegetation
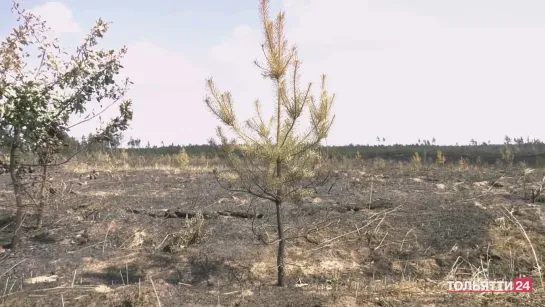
378 234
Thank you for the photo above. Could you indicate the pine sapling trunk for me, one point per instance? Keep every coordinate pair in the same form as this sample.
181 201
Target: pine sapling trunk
15 179
278 202
280 229
41 204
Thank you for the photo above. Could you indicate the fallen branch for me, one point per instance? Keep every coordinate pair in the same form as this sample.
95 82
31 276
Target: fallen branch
243 215
371 219
168 213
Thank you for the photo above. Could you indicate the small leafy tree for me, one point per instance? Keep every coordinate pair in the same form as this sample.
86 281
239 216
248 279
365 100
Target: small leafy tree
507 151
37 101
181 159
440 158
463 163
416 160
267 158
357 156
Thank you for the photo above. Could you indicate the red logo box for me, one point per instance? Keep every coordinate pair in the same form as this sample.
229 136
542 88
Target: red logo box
522 285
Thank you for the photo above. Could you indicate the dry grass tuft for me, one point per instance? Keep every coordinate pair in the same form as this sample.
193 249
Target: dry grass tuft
193 232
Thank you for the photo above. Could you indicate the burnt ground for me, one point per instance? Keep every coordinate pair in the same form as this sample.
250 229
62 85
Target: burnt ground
114 241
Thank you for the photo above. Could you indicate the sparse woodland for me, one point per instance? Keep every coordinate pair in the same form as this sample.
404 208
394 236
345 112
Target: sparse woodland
264 215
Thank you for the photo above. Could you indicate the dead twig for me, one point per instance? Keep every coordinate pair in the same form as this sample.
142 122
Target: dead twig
490 188
405 237
160 244
74 278
380 244
13 267
155 291
511 217
106 236
371 192
6 226
372 220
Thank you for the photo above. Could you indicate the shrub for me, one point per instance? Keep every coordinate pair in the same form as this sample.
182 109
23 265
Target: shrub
416 159
191 234
440 158
181 159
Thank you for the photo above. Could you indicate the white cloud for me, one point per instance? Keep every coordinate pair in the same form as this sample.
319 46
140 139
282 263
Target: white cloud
58 16
167 97
397 74
404 76
233 69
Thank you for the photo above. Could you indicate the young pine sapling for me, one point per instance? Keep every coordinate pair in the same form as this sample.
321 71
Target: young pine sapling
267 158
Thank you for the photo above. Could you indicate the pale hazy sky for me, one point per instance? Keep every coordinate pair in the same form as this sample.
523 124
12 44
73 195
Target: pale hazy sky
403 70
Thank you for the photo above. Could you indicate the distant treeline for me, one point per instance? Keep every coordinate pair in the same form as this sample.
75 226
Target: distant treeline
530 152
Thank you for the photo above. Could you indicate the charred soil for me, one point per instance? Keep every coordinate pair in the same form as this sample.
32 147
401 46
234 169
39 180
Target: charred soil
373 236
